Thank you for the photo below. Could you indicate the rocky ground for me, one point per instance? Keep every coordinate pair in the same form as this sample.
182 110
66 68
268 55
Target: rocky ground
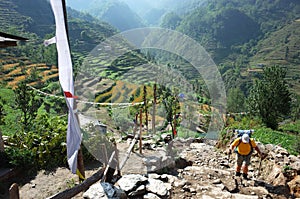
200 171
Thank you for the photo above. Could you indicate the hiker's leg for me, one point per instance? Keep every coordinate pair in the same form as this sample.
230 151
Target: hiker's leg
246 165
239 162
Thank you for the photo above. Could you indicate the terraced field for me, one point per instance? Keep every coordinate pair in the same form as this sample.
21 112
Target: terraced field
13 73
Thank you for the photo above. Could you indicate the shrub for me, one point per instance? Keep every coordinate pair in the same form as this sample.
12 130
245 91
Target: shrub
43 148
20 158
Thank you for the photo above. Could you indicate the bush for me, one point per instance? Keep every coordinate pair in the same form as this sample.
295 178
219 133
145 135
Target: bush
17 157
43 148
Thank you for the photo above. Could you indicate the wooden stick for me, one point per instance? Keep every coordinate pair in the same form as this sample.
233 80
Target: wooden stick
154 110
129 151
117 159
141 122
108 164
69 193
14 191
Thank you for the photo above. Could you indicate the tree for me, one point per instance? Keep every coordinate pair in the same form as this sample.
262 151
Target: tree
171 104
27 101
269 97
171 21
235 100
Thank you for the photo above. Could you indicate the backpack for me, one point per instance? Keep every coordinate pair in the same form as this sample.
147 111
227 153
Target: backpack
240 133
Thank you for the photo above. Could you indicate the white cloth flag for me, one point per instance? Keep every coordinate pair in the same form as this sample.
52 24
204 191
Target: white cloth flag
66 80
50 41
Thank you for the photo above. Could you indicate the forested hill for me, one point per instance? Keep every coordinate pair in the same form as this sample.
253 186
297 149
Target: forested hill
115 12
34 20
29 16
241 35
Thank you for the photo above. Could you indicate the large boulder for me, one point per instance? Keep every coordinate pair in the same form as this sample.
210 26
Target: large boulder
294 186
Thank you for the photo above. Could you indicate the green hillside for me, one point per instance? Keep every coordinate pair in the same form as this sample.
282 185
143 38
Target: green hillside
116 13
241 35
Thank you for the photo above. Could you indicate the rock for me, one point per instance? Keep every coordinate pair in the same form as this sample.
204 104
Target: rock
256 191
153 176
157 187
140 191
131 181
276 176
294 186
296 165
217 181
104 191
280 150
243 196
151 196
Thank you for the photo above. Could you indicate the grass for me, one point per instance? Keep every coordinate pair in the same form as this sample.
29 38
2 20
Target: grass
285 140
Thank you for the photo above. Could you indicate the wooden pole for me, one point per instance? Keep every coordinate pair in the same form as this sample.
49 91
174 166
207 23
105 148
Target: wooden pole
80 163
154 110
141 123
135 124
145 107
129 151
14 191
117 159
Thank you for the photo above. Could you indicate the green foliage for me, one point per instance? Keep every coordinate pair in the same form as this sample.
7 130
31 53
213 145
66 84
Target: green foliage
2 112
235 100
17 157
45 142
171 21
291 127
28 102
122 119
11 122
285 140
270 98
170 102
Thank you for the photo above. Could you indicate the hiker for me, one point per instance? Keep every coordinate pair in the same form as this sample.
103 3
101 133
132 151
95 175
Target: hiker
244 147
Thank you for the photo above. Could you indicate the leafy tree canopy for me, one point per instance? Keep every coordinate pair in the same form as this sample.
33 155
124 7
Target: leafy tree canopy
269 97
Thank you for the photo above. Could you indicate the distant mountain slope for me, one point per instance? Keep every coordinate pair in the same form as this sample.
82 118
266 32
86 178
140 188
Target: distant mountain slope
30 15
115 12
153 11
281 48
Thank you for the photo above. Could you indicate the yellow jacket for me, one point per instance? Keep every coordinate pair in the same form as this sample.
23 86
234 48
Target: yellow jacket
243 148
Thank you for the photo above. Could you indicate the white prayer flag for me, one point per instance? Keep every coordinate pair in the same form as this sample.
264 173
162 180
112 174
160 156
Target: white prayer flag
65 71
50 41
